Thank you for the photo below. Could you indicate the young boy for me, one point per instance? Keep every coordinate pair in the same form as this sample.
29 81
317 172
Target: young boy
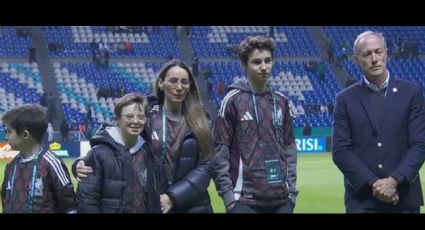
35 181
123 176
255 170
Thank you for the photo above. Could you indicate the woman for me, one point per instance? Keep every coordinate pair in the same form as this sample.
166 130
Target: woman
180 136
125 178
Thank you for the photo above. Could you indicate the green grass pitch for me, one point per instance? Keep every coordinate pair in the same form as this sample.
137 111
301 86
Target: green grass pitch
319 183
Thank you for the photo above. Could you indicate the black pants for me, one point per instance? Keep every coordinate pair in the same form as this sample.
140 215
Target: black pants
243 208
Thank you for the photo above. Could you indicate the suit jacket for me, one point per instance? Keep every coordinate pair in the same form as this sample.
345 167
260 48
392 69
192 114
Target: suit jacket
365 149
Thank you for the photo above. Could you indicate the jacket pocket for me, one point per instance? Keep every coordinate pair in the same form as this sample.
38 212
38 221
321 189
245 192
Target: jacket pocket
266 174
110 205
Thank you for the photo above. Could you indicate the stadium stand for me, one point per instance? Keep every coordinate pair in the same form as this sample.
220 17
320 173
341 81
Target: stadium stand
81 84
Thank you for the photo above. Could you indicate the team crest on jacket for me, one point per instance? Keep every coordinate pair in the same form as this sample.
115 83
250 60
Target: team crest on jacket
278 117
143 176
38 187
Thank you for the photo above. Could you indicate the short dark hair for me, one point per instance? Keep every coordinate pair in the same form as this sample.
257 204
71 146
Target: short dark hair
252 43
128 99
32 118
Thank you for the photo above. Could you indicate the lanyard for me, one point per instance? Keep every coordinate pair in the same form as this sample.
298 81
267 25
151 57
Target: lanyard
11 188
164 136
32 184
274 116
254 101
164 160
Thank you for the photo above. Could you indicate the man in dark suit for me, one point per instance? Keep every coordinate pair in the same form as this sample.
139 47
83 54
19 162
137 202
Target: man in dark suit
379 135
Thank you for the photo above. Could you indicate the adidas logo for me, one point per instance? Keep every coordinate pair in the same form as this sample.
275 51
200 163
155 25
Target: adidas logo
155 136
247 117
155 108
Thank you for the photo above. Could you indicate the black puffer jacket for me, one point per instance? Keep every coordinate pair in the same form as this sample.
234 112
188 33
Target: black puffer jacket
191 180
191 177
110 188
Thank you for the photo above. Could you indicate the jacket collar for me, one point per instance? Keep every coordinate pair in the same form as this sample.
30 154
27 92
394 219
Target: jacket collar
113 132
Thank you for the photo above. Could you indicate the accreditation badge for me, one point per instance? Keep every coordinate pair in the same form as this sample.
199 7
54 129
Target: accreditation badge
273 172
270 156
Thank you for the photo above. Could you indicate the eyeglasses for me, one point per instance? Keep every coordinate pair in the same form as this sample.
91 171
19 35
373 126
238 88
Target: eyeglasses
175 81
131 117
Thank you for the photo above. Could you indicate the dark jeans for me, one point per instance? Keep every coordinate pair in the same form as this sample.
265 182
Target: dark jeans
287 208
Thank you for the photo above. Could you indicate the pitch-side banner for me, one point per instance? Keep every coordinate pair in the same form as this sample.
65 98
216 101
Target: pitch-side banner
6 152
311 144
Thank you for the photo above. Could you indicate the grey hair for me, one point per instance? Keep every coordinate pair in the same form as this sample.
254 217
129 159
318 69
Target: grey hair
367 33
